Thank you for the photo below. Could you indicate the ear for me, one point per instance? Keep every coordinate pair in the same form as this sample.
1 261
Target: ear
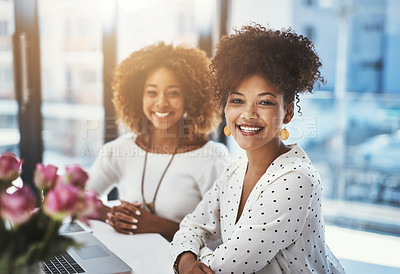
289 113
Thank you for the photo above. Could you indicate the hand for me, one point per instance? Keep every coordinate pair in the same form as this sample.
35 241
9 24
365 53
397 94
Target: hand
130 218
122 219
188 264
102 212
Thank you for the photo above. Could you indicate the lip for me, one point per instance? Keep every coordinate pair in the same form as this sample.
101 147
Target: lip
162 114
249 129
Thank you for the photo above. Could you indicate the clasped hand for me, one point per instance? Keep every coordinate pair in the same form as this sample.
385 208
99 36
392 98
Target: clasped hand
130 218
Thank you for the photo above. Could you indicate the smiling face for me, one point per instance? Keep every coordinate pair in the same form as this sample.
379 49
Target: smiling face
163 102
254 113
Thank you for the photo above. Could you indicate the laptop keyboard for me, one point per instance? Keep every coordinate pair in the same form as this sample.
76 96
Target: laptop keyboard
62 263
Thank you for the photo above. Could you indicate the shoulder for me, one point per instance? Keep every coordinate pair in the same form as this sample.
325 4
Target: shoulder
295 159
293 164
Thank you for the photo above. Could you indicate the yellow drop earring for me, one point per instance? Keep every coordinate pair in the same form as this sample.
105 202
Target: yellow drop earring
227 132
284 133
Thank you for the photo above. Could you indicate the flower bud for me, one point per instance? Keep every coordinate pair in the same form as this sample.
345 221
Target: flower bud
75 175
88 206
61 201
10 166
45 176
18 206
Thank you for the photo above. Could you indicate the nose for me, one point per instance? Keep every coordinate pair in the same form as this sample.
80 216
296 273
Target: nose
162 100
249 112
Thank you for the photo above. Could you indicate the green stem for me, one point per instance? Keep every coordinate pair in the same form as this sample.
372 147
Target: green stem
41 196
4 234
52 228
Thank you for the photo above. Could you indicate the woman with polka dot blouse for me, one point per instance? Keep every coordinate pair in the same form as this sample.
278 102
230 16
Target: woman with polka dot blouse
263 215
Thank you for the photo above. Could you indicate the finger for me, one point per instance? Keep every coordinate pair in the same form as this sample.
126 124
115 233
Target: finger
111 223
126 218
114 220
137 204
111 217
122 209
131 207
117 219
122 226
127 226
115 208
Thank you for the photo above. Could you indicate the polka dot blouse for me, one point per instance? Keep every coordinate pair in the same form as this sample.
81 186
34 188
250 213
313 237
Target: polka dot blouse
281 229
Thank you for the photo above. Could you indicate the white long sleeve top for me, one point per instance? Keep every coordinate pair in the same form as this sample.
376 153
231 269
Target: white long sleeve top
120 163
281 229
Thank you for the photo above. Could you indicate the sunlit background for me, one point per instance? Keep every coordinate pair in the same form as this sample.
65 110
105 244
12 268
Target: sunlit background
350 127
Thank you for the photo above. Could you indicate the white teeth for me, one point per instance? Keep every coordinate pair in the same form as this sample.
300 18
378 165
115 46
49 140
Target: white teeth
249 129
161 114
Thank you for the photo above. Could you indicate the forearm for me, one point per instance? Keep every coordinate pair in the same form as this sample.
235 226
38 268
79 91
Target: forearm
166 228
102 212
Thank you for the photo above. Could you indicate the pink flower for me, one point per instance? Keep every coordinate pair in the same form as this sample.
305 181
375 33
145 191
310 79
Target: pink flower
87 207
75 175
45 176
18 206
10 166
61 201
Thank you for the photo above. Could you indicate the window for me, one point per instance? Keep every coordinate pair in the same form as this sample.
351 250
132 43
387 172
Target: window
72 68
173 21
71 56
9 133
354 140
5 34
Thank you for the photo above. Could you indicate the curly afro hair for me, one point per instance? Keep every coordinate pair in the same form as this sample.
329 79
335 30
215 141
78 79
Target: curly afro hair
286 59
190 66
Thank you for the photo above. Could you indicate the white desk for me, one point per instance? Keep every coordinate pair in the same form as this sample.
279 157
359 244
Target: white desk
145 253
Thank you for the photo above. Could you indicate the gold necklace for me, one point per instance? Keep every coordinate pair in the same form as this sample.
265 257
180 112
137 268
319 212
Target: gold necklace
152 206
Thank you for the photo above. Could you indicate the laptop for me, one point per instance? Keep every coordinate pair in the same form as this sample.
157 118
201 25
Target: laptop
92 257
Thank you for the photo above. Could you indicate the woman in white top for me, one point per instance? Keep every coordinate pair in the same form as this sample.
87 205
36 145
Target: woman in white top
162 169
265 209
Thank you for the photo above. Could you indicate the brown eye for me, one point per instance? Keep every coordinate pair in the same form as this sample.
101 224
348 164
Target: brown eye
151 93
236 101
174 93
266 103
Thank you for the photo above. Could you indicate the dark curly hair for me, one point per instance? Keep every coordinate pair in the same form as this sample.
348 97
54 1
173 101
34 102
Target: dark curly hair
283 57
190 66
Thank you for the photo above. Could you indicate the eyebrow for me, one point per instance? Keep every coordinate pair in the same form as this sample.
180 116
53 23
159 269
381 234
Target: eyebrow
259 95
171 86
